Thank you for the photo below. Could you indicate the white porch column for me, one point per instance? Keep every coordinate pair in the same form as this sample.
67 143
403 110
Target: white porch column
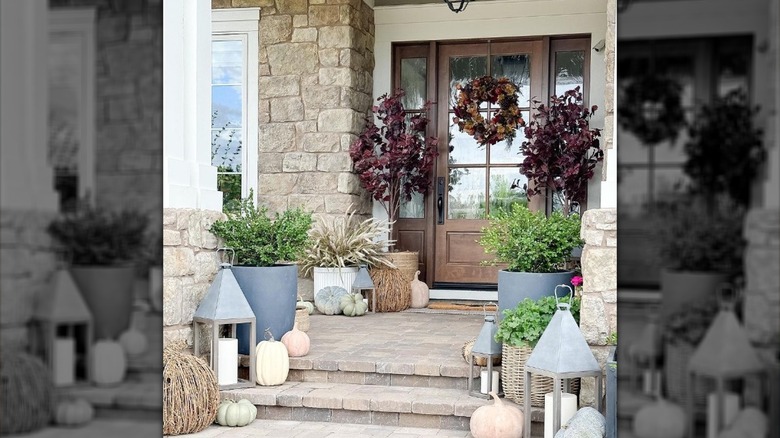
189 179
609 177
24 134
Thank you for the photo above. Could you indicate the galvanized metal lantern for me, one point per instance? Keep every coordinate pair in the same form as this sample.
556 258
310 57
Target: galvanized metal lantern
562 354
725 355
644 356
364 284
225 305
485 346
63 332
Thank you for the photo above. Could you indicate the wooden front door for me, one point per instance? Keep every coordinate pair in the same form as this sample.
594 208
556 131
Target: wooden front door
472 181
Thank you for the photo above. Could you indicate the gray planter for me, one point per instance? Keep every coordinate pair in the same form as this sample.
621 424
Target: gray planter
681 289
271 292
514 287
108 292
611 414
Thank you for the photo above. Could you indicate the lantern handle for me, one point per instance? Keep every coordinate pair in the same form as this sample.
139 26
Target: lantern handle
484 309
560 305
226 249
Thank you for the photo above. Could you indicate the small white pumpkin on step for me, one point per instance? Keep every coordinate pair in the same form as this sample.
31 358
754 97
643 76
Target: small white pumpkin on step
420 294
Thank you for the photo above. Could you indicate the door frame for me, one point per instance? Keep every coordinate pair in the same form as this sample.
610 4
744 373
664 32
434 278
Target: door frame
419 234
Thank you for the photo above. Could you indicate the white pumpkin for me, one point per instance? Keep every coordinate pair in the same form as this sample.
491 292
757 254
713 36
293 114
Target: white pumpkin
109 363
749 423
273 362
134 342
660 419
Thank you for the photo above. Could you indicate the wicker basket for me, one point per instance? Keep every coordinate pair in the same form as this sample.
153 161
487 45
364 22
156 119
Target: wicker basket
677 355
513 361
480 360
394 285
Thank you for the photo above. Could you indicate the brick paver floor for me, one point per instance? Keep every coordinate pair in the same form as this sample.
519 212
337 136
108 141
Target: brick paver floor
311 429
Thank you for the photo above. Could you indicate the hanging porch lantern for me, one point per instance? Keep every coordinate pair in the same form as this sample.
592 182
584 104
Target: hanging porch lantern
725 355
485 346
225 305
364 285
562 354
63 332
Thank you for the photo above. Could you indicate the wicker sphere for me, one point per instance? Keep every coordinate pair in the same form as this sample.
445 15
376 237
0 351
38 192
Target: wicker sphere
27 396
190 392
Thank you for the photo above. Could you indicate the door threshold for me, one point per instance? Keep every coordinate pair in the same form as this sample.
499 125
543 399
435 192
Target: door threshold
463 295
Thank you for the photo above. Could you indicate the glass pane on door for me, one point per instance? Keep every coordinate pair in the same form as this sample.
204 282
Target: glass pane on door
569 71
414 74
518 69
466 193
464 69
507 186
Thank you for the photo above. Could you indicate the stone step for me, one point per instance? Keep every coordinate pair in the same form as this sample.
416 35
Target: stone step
438 408
139 397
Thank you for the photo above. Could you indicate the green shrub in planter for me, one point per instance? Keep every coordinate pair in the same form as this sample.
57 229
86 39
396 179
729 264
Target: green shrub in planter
524 325
529 241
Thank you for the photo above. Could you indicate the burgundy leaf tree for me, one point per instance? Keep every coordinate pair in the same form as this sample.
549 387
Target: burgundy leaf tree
562 151
395 160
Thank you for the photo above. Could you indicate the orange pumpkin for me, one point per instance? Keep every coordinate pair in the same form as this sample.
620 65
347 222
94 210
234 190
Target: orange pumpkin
297 342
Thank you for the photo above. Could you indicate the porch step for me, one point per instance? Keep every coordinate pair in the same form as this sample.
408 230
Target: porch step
438 408
138 397
404 372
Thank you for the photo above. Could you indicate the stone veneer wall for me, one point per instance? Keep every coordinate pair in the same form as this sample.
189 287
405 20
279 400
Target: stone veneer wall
598 314
128 110
190 262
316 62
762 293
28 262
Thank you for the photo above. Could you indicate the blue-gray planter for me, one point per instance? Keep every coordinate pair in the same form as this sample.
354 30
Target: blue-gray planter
514 287
271 292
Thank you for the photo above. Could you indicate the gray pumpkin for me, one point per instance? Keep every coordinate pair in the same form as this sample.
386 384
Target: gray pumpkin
328 299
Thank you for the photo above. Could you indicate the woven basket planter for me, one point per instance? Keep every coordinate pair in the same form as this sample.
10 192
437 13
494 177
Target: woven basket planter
394 286
513 361
27 396
190 392
676 358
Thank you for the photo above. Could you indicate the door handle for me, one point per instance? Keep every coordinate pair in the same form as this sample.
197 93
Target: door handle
440 199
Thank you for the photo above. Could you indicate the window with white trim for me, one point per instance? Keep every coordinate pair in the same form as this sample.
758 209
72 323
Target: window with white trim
234 102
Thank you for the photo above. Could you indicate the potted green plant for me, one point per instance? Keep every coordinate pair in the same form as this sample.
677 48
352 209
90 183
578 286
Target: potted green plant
700 246
518 332
338 245
103 247
266 249
534 248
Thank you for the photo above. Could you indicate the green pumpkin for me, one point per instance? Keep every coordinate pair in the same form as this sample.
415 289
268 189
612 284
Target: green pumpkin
328 299
234 414
353 305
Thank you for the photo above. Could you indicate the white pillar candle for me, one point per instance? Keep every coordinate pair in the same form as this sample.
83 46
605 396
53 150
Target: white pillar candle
228 361
651 382
568 409
63 361
730 411
483 378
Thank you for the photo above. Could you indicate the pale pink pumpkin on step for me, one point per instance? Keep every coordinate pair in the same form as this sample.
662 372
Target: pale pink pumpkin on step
420 295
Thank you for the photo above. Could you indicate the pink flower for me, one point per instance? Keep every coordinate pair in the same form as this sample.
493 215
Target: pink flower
576 280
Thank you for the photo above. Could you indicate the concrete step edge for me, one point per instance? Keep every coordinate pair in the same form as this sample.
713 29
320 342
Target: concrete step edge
373 398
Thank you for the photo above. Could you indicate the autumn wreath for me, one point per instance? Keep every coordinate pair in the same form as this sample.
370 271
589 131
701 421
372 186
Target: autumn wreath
650 108
503 125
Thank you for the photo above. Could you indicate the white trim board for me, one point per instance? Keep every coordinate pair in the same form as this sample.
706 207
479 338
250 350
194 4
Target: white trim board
463 295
